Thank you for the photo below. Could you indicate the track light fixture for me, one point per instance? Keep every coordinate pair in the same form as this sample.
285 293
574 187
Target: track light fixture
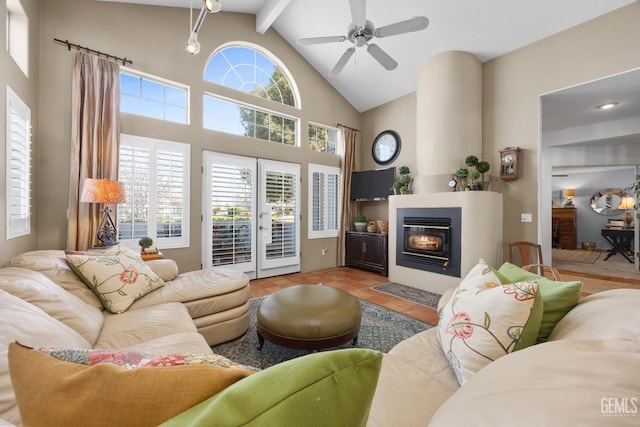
208 6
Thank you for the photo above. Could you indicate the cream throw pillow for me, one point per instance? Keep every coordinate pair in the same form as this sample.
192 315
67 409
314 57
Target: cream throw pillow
484 320
117 279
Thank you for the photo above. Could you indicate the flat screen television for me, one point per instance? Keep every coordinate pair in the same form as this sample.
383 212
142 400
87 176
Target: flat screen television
375 184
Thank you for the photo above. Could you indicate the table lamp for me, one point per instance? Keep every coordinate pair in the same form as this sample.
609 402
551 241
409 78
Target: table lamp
107 192
569 193
627 202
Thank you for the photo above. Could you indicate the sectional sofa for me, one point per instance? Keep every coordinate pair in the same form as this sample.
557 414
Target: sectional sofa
563 361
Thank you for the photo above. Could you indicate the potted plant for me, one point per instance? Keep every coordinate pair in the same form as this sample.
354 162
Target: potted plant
145 243
360 223
483 167
403 185
462 174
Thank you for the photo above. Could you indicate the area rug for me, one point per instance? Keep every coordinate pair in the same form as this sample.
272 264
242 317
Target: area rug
426 298
380 329
575 255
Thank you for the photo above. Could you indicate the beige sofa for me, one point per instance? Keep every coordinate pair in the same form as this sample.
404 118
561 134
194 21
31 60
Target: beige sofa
587 374
43 303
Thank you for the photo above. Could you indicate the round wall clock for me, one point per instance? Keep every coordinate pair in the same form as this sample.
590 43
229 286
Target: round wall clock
386 147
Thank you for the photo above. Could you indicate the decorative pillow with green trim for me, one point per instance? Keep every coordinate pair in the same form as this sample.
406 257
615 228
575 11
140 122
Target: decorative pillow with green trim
485 320
558 298
329 388
118 280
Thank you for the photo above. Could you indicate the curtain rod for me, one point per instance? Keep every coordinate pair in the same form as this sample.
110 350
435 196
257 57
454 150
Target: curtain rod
347 127
69 45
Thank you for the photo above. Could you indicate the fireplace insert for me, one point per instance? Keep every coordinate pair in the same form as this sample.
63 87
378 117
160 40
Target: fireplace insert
429 239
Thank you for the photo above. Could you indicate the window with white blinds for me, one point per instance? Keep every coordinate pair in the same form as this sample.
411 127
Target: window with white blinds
281 193
18 167
156 178
324 201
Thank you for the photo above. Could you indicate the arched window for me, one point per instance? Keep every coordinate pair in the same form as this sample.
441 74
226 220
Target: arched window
249 70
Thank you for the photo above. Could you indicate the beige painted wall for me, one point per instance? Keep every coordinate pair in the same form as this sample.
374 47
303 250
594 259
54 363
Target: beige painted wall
514 82
26 87
398 115
154 38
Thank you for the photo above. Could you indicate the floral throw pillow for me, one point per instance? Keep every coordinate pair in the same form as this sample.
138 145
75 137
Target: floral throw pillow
118 279
482 323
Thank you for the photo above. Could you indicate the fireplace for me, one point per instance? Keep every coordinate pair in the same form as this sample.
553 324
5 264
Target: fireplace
429 239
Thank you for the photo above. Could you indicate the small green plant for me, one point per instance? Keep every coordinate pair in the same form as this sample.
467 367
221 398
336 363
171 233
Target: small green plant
473 170
360 218
471 161
402 185
145 242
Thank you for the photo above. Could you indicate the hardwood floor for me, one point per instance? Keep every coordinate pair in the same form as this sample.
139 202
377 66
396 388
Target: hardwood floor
355 281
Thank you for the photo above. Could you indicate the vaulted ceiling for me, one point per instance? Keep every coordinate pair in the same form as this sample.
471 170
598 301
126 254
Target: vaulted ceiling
487 29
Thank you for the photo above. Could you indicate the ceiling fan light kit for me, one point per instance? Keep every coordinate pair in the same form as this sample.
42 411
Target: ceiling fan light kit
361 31
208 6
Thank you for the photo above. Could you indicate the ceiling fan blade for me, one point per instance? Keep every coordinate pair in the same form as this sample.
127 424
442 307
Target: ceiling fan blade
320 40
381 56
342 62
414 24
358 12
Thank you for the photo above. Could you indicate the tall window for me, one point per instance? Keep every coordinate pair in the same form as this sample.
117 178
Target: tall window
324 201
322 138
156 177
246 69
153 97
230 117
18 34
18 167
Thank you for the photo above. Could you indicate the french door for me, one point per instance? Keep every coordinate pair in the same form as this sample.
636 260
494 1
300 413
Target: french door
251 214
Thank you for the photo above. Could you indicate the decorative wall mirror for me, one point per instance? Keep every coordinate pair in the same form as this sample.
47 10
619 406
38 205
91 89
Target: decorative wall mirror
606 202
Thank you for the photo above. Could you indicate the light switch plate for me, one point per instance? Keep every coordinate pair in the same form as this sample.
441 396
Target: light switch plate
525 217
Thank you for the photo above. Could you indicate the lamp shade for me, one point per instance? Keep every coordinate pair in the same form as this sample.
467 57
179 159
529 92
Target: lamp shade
102 191
569 192
627 202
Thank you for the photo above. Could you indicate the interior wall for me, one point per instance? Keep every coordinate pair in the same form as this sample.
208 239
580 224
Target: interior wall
398 115
154 38
26 87
513 84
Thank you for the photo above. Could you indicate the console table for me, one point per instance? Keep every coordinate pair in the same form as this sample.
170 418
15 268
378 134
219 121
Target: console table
621 242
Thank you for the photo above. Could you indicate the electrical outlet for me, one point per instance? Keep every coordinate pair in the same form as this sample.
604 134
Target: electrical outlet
525 217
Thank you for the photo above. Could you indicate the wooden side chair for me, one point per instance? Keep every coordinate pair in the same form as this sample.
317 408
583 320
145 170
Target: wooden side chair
530 257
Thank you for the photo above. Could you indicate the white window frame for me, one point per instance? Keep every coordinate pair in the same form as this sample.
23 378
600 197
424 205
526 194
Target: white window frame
17 35
205 114
162 82
325 232
18 166
338 147
155 145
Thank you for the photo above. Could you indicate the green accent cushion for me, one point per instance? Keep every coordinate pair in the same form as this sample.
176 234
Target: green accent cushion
322 389
558 298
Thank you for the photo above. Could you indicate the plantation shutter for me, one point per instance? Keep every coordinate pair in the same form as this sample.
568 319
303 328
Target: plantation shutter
324 201
282 194
18 167
232 188
156 178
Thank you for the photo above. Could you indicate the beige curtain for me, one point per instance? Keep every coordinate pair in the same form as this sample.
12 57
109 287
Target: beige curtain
347 165
95 133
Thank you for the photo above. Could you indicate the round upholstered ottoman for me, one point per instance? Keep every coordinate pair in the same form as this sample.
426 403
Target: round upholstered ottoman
309 317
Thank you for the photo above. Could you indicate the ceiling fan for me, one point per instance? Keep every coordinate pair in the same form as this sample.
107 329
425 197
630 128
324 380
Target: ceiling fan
360 33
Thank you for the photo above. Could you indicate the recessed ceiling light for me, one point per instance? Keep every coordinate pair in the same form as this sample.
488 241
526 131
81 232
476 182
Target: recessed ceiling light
607 106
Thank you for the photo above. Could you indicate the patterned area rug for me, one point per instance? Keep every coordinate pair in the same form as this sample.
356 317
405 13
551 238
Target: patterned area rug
380 329
409 293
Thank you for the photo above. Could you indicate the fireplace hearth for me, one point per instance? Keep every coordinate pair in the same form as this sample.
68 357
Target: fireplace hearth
429 239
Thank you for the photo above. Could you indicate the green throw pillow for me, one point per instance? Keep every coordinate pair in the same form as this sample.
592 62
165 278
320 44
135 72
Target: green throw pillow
328 388
558 298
